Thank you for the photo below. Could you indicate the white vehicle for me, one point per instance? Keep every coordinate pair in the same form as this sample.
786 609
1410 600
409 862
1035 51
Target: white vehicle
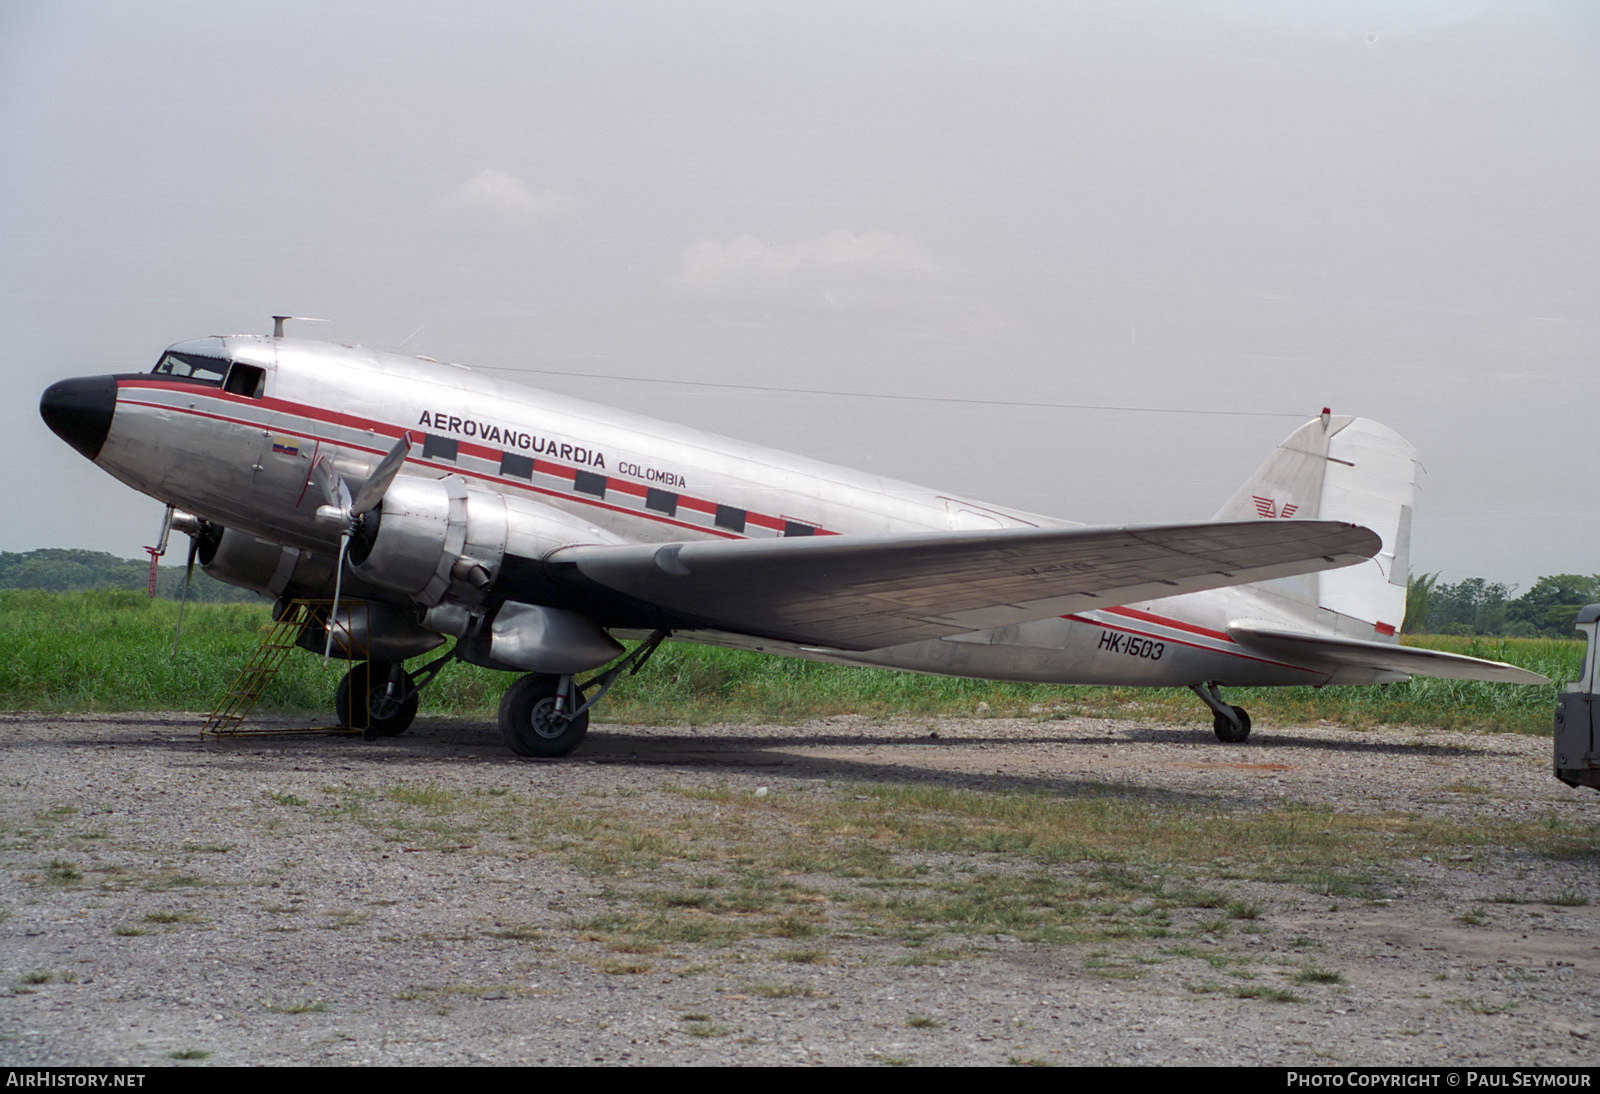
536 529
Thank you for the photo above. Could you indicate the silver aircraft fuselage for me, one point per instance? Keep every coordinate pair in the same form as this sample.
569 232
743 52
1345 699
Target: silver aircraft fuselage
243 459
536 529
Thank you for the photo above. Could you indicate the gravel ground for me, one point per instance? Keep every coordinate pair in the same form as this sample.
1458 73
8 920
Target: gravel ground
166 898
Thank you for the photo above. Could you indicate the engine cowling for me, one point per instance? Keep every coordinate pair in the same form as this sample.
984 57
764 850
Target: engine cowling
437 538
362 628
250 562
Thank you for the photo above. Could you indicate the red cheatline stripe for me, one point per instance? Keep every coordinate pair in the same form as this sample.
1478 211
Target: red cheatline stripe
453 469
542 466
1181 642
1161 620
333 417
275 427
596 502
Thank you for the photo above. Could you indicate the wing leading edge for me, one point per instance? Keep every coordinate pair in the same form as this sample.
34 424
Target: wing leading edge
866 592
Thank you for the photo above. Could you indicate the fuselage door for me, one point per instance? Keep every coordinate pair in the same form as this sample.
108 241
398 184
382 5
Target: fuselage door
284 443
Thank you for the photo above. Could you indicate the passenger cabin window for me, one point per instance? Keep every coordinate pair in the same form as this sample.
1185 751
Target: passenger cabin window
246 380
191 366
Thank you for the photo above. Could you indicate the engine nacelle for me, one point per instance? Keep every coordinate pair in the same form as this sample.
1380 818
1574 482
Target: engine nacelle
432 538
242 559
369 629
535 638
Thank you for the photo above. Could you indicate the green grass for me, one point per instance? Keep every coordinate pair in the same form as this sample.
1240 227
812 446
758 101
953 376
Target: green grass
519 932
111 650
61 872
703 1028
943 872
938 870
1482 1006
779 990
299 1006
1266 994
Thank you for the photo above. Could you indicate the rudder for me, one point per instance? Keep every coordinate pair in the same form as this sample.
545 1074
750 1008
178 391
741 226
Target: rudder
1349 469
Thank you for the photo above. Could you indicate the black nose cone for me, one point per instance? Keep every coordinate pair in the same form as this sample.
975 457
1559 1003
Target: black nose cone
79 411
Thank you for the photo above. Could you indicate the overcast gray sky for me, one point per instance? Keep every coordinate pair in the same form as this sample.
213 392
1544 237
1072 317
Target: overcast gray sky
1217 217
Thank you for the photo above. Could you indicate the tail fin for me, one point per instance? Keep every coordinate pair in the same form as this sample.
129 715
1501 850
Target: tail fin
1340 468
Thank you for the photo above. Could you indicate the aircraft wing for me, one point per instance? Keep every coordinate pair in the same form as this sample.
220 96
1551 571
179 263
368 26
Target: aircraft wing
866 592
1360 653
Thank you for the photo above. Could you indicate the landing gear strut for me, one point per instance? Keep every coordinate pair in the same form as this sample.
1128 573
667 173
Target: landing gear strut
1232 724
548 716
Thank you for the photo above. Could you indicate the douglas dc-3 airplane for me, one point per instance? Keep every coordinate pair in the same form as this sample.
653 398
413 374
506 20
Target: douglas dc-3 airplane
535 529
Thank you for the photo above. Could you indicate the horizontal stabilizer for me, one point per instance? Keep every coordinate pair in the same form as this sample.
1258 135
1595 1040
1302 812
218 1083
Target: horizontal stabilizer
1360 653
867 592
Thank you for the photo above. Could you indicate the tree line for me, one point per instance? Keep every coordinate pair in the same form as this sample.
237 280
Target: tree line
65 569
1475 606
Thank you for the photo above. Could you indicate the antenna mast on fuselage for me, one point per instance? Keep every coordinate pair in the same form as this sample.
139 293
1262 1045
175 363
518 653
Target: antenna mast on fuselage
279 320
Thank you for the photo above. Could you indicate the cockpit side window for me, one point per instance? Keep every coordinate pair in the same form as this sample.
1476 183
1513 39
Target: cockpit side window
192 367
246 380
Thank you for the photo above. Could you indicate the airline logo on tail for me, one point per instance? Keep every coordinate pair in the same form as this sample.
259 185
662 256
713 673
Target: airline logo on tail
1268 509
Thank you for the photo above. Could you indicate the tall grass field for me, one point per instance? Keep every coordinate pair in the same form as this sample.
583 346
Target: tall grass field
112 650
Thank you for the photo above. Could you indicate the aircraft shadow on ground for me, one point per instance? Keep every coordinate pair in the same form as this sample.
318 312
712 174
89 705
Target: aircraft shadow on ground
478 744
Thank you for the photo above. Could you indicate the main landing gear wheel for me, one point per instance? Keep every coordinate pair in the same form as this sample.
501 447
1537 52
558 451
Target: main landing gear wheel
531 722
379 715
1231 734
1231 723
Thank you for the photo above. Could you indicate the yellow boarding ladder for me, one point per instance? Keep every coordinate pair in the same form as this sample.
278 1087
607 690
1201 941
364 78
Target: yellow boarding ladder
265 662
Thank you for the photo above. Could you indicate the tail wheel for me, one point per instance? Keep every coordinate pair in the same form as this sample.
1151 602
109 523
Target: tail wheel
1227 732
382 714
529 720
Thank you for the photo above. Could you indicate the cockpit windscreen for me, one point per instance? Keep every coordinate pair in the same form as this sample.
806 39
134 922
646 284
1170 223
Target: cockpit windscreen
191 366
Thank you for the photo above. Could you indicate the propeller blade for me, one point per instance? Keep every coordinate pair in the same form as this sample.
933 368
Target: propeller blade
183 599
372 491
338 583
